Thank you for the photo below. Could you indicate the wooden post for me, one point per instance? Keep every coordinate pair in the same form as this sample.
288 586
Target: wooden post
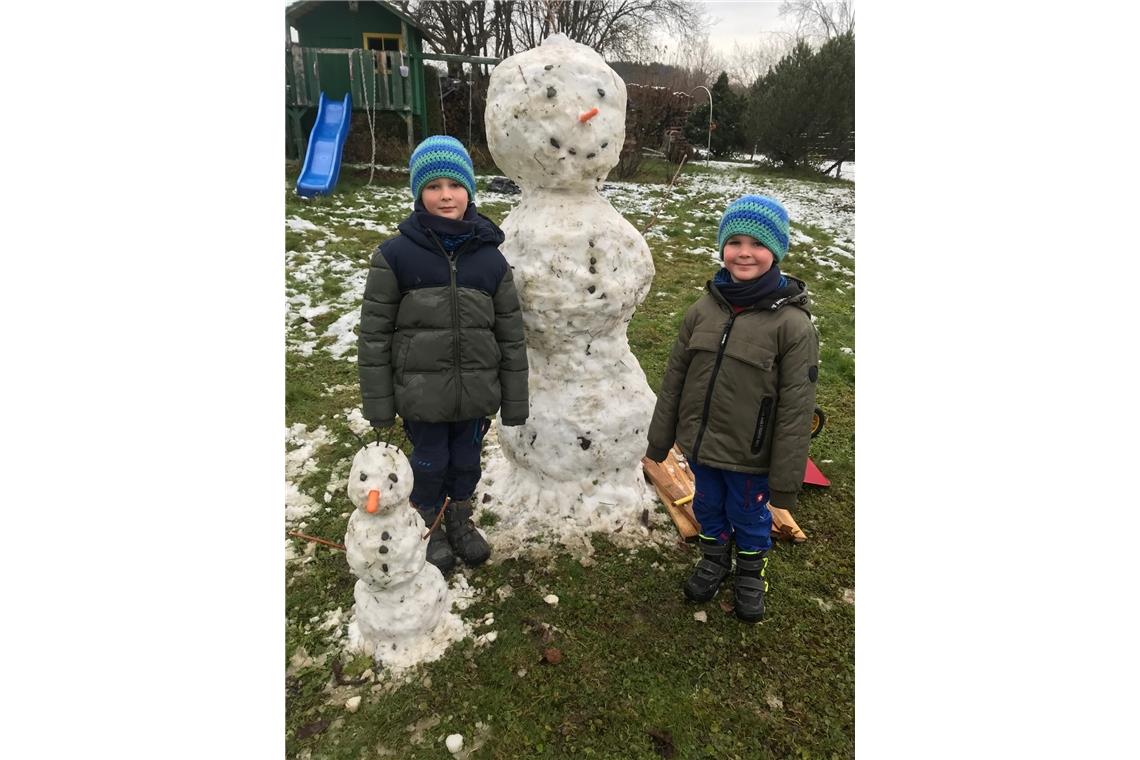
299 143
300 81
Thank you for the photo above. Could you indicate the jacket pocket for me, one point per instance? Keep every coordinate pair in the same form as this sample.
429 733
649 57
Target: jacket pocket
705 341
750 354
763 419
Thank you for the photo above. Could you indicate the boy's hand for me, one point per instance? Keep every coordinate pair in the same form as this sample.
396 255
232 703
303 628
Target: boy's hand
381 424
657 455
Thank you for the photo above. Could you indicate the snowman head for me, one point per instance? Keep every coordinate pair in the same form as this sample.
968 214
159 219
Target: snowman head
555 115
380 481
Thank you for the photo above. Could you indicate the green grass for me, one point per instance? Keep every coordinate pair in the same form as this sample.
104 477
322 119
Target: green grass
636 664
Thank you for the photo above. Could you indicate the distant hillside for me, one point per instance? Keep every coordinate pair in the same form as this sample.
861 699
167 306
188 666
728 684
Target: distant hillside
663 74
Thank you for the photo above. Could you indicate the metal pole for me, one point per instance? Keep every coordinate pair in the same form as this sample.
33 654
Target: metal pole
708 148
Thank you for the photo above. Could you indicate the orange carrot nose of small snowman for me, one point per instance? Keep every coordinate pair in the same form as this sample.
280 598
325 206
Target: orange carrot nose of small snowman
587 115
373 501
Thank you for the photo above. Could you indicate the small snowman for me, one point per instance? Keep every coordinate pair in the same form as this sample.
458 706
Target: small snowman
401 599
555 122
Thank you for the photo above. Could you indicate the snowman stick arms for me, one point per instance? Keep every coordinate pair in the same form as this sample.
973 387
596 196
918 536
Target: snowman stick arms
374 346
435 524
513 367
316 540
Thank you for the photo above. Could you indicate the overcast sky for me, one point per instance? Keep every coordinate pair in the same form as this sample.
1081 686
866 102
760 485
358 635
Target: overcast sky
741 21
746 23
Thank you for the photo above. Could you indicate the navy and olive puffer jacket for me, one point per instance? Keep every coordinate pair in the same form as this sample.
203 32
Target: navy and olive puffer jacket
441 336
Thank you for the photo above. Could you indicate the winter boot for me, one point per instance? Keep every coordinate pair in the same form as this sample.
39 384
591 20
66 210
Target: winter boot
438 551
751 583
467 543
713 568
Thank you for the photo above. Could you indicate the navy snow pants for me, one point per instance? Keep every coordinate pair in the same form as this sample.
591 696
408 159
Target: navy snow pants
445 460
733 503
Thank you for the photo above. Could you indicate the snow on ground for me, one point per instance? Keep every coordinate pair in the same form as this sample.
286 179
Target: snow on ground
323 319
301 447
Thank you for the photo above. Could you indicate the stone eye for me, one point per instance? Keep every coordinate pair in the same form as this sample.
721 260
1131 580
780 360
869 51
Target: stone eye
555 143
601 93
363 476
551 92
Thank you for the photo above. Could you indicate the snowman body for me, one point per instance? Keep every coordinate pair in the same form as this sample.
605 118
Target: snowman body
401 599
555 123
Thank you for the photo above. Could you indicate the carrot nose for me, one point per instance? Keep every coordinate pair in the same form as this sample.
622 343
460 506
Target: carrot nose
373 501
585 117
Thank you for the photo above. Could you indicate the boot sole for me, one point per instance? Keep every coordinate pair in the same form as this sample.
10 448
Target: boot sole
698 599
748 619
444 569
474 562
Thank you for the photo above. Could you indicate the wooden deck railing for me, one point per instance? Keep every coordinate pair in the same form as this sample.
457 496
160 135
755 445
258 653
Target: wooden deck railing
374 77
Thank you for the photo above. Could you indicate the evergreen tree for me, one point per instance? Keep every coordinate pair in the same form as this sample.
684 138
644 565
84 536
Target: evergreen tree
728 108
783 107
803 109
835 77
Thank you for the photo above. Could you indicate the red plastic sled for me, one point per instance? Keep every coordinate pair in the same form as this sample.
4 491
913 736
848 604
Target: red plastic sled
813 477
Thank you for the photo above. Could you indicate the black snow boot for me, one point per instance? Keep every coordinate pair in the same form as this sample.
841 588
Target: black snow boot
465 540
751 583
438 551
713 568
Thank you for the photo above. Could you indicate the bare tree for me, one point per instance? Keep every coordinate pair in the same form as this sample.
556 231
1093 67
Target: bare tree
698 57
615 28
747 63
821 18
460 28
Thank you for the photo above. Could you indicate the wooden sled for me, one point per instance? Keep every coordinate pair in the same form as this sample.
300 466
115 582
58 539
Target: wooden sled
675 485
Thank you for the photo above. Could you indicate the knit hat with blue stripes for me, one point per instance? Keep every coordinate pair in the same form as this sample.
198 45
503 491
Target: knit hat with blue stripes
441 156
759 217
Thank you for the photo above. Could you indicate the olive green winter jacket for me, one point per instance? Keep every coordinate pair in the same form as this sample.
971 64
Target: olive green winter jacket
441 337
739 389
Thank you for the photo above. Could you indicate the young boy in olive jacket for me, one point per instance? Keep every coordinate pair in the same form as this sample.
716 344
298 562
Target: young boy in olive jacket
441 343
737 397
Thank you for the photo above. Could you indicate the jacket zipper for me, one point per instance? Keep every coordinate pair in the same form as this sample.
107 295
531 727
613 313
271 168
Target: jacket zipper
712 383
762 424
451 259
455 330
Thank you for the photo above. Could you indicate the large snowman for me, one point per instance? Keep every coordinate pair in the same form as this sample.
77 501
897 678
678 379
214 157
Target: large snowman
555 121
402 612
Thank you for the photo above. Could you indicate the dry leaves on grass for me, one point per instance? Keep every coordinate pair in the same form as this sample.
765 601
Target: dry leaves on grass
662 742
553 655
312 729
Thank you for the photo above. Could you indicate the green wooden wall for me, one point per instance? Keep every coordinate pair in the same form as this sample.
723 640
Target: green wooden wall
333 25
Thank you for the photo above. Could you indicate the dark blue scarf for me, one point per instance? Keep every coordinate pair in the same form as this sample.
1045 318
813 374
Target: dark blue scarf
451 232
749 292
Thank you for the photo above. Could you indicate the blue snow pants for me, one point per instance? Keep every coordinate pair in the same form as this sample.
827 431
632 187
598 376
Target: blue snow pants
445 460
733 503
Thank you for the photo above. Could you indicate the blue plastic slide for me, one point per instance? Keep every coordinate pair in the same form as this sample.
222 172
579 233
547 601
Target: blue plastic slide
326 143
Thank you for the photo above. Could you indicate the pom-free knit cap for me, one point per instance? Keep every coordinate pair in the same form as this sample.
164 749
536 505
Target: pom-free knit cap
441 156
759 217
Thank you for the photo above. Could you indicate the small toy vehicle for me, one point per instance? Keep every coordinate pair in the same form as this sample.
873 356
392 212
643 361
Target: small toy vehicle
817 420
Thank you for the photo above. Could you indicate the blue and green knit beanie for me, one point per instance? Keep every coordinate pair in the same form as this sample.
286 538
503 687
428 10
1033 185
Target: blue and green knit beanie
757 216
441 156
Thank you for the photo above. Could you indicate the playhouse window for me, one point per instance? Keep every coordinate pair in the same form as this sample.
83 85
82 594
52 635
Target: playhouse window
393 42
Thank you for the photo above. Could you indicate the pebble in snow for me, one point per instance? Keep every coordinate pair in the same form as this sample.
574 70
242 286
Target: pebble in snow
701 616
352 705
550 599
454 743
